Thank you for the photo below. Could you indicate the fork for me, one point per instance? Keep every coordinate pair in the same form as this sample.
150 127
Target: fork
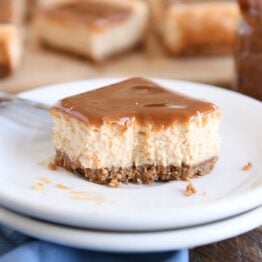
25 112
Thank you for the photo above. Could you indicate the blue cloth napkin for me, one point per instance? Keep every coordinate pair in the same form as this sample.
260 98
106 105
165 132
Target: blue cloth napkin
18 247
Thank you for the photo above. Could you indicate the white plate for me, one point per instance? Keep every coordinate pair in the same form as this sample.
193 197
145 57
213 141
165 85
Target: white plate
134 242
229 190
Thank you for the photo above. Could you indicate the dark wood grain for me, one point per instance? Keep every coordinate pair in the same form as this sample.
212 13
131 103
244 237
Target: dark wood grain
246 248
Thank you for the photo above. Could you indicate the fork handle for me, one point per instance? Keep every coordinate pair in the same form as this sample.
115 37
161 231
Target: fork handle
5 97
8 98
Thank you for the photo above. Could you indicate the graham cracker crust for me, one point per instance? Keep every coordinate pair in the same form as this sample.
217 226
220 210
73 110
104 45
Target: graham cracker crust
138 174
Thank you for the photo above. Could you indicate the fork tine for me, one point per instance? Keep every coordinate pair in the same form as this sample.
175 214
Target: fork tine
27 115
25 112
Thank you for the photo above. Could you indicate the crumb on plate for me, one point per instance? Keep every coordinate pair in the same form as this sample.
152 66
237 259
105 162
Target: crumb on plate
114 183
45 180
38 186
52 166
43 162
88 196
63 187
248 166
190 189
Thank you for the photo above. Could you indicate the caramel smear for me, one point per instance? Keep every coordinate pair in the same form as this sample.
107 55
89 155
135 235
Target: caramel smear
38 186
45 180
190 189
62 187
88 196
52 166
247 167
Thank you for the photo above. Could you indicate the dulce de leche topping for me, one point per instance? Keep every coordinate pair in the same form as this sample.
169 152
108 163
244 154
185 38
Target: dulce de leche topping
133 99
92 13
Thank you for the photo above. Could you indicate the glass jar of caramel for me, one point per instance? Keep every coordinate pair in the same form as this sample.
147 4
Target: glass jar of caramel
248 55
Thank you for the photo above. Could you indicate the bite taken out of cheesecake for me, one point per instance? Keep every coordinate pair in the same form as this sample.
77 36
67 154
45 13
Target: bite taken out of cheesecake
137 131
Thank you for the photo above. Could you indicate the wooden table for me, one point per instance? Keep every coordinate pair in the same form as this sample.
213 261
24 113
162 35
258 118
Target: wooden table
41 67
245 248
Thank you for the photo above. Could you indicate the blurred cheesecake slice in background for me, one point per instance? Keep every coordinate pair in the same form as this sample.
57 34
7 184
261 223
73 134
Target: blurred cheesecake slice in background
201 27
12 14
95 29
137 131
10 49
195 27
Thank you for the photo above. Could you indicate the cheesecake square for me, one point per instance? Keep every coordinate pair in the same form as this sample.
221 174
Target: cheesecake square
10 49
12 13
95 29
199 27
135 130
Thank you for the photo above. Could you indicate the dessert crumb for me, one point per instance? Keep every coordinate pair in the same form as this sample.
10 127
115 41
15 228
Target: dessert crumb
38 186
45 180
247 166
88 196
139 181
204 193
42 163
63 187
190 189
52 166
114 183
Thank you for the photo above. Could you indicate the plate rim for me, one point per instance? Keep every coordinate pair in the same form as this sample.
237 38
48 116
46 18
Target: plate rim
163 240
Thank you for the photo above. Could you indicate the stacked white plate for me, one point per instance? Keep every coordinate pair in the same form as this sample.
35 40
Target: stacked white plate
133 218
